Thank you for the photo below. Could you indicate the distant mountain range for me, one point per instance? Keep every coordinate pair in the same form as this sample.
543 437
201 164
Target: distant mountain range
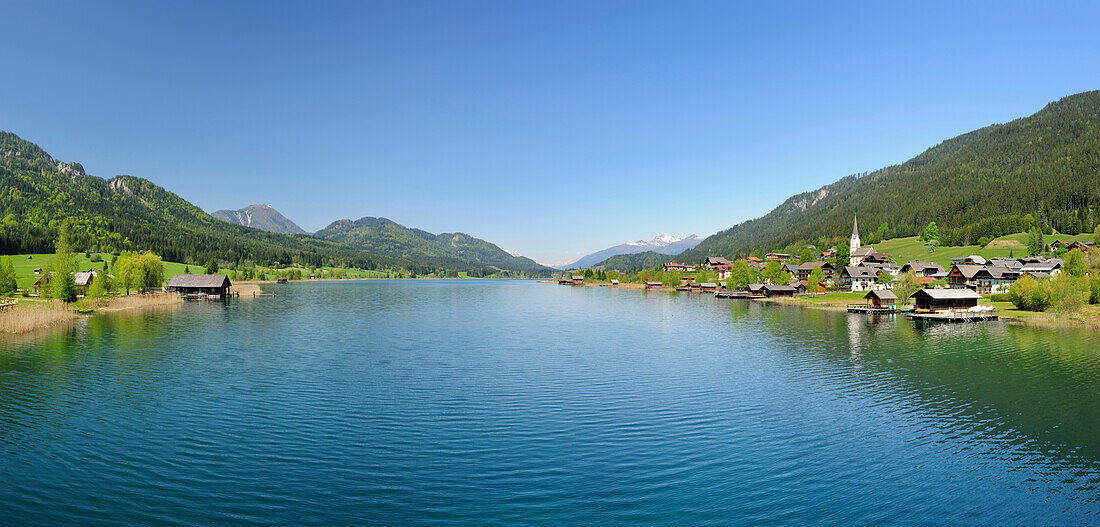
261 216
38 193
661 244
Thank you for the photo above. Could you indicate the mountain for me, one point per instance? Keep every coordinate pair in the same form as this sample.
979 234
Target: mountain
263 217
453 250
38 193
662 243
629 263
1039 171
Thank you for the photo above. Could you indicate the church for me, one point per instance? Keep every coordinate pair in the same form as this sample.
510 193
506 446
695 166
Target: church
858 255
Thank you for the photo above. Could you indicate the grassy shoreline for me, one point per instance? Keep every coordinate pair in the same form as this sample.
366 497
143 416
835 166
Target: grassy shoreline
30 315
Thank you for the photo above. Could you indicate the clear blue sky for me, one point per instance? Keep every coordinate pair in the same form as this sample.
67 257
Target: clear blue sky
551 128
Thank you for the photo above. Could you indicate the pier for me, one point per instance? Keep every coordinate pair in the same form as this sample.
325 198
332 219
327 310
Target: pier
955 316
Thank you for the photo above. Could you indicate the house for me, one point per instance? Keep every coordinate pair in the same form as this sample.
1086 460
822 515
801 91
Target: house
708 287
880 298
859 254
969 260
37 270
83 280
193 284
963 276
924 268
778 290
753 260
685 280
804 287
874 258
1042 269
614 282
651 285
1080 245
723 271
803 271
1059 244
712 261
792 269
995 279
860 278
944 299
578 279
755 289
777 257
673 266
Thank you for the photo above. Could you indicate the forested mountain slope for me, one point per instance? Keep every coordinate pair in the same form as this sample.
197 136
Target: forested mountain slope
1042 170
259 216
456 250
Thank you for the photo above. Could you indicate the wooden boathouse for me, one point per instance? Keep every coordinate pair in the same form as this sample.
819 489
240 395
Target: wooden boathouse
879 301
651 285
200 284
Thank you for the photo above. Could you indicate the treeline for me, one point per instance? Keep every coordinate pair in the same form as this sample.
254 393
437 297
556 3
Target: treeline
1041 172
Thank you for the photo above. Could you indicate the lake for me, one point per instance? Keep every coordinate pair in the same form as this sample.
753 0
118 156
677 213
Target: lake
510 402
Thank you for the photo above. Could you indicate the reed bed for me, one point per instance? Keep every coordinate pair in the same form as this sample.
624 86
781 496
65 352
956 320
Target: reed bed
135 302
30 316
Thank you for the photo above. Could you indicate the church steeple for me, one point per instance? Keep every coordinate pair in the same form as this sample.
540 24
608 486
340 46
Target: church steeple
855 236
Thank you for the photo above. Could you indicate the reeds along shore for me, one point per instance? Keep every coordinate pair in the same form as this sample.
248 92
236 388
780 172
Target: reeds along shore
29 316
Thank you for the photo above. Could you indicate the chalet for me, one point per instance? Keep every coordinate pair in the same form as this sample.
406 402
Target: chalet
614 282
860 278
194 284
753 259
723 271
651 285
924 269
944 299
799 288
969 260
673 266
712 261
578 279
1042 269
963 276
83 280
792 269
778 290
995 279
804 270
859 254
706 287
685 280
1060 244
755 289
777 257
874 258
881 298
1080 246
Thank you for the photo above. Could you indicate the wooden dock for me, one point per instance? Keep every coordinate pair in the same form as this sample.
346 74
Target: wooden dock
955 316
871 310
726 293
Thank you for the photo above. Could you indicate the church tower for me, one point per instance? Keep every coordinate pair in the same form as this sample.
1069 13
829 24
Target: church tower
855 236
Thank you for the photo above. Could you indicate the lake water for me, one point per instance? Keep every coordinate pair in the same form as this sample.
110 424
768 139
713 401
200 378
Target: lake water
515 403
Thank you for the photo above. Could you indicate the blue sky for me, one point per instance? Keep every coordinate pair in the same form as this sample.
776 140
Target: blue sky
553 128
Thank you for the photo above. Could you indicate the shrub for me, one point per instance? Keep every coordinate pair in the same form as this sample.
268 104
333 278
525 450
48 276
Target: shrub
1067 293
1029 294
1094 289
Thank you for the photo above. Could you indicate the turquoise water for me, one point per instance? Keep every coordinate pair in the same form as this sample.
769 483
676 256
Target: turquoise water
509 403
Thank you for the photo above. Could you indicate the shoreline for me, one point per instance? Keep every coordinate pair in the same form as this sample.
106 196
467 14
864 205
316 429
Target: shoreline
1015 317
33 315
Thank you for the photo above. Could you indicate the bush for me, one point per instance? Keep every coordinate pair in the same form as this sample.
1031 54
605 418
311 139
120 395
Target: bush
999 297
1029 294
1068 293
1094 289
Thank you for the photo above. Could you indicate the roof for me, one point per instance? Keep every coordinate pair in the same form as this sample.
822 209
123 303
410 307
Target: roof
83 278
653 283
809 266
708 285
968 271
863 251
855 226
754 287
717 260
881 294
948 294
860 271
779 288
578 277
199 280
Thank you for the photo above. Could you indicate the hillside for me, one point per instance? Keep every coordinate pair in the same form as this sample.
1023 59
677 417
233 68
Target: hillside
1042 170
453 250
635 261
663 244
37 193
260 216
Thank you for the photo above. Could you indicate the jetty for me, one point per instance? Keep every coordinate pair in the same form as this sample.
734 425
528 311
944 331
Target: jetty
955 316
735 293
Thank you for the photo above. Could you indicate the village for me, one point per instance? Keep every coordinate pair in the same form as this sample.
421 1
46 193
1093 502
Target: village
938 293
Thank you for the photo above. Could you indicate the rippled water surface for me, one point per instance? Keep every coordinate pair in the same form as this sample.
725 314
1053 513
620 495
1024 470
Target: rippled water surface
505 403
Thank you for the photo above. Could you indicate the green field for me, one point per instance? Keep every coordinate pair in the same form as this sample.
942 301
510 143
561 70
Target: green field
912 248
25 264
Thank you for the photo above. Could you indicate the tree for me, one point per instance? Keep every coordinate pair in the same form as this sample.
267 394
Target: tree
931 232
773 273
212 267
843 256
806 256
932 244
64 286
7 277
186 269
884 278
1074 264
138 271
908 283
98 287
1029 294
1034 243
740 275
817 276
1096 235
